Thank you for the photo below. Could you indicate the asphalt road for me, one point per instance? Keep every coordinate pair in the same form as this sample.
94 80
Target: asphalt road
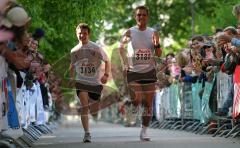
106 135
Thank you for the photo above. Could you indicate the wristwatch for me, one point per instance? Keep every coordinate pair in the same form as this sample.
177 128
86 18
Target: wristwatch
105 74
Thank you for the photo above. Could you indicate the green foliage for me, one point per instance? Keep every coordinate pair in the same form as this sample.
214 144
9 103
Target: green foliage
224 16
174 17
59 19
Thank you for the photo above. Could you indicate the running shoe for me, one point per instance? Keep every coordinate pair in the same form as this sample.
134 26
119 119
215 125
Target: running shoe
143 136
87 138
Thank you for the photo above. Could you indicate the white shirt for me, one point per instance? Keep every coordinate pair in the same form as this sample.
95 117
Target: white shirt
87 60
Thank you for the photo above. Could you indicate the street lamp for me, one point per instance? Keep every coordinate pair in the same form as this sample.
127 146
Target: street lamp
193 13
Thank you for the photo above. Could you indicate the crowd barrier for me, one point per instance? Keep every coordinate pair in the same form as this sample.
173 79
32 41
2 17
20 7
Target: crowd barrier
23 116
191 107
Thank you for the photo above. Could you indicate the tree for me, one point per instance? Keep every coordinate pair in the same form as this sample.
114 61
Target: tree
170 17
173 18
59 20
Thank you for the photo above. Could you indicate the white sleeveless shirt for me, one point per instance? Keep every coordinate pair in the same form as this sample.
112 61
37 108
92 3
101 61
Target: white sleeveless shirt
141 50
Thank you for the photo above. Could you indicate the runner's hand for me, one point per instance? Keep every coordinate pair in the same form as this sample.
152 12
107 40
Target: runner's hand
104 79
155 39
125 70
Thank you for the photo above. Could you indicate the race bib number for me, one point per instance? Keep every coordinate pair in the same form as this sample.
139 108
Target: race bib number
86 70
142 56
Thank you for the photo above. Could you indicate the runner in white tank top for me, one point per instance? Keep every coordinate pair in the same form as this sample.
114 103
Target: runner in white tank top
139 64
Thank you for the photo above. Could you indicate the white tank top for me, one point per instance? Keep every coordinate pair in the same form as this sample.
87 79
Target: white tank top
141 50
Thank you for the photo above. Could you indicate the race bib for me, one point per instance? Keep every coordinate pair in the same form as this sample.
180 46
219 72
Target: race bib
86 69
142 56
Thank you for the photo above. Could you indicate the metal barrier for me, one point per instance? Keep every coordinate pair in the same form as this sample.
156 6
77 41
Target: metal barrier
17 129
195 113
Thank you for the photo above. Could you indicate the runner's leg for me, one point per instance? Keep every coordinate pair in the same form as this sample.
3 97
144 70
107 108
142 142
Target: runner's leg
147 102
94 107
83 96
149 92
135 92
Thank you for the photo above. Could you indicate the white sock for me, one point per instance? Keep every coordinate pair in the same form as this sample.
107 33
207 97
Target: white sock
144 128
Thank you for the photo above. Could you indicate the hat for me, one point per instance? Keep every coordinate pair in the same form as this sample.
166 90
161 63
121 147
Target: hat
16 16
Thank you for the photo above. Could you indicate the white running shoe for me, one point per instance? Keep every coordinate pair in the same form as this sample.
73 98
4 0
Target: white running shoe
143 136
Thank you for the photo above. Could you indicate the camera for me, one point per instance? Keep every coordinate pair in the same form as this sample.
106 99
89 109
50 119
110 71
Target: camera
207 45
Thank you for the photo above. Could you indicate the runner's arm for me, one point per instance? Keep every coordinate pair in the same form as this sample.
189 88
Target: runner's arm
122 50
71 71
107 68
157 46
